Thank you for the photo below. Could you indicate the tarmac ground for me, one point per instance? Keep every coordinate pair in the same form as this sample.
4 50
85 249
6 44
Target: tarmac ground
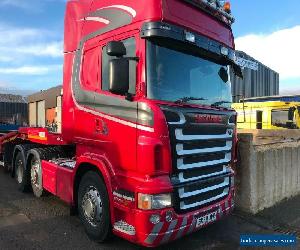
30 223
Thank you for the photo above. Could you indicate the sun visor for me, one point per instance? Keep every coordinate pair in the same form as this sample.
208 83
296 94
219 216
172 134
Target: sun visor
194 18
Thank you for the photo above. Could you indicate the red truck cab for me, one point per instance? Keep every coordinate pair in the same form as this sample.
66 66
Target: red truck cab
146 124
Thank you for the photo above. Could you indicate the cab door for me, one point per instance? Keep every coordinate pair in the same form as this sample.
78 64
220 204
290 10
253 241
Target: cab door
105 121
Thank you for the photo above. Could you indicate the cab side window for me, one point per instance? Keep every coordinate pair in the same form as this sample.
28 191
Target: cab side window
130 45
90 69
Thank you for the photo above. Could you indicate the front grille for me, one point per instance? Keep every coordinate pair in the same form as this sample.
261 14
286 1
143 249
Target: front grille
201 156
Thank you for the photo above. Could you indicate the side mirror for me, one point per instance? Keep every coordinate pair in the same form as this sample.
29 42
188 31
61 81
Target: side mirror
223 74
116 48
119 76
237 70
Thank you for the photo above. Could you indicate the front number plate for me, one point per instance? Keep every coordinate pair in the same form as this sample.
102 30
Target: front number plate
203 220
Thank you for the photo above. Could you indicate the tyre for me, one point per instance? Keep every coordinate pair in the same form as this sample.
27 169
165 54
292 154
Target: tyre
93 207
20 174
6 166
8 151
36 174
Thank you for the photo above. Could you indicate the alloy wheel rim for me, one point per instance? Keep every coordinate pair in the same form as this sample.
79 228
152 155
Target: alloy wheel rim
36 174
19 171
92 206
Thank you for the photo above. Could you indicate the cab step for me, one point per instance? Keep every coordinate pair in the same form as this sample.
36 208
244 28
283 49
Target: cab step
124 227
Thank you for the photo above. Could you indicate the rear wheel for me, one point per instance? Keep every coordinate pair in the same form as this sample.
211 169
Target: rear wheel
20 174
36 173
93 207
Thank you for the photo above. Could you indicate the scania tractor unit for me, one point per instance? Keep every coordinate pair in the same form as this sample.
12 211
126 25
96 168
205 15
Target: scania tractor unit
147 148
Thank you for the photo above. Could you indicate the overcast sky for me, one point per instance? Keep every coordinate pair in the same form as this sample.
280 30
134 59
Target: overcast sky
31 34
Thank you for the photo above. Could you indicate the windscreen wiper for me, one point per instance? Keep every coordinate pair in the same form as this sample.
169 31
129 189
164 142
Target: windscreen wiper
219 103
189 98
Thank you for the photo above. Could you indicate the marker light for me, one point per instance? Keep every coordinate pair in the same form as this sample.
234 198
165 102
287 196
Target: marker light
227 7
213 3
219 8
221 3
190 37
224 51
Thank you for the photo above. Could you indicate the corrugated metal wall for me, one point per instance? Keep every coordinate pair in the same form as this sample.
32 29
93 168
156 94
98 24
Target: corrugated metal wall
41 114
14 113
32 114
264 82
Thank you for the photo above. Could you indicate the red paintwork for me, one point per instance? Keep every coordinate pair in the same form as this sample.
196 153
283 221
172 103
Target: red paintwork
58 180
41 136
144 227
127 157
49 176
7 138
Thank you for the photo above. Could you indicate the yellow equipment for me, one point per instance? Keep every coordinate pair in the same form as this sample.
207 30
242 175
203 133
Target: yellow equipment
268 115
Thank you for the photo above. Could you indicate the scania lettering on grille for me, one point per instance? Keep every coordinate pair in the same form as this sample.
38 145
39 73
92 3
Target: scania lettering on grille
208 119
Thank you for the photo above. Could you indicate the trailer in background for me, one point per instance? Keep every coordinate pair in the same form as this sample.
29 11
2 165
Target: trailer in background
268 115
45 109
275 98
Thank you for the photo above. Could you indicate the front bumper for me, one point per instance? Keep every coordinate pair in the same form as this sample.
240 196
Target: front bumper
143 232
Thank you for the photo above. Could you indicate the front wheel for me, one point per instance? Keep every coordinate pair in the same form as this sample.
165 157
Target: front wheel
93 207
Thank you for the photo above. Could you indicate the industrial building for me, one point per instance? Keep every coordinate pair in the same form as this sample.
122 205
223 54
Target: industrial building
13 112
259 80
45 109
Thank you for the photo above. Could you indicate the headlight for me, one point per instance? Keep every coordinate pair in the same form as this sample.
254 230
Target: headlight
156 201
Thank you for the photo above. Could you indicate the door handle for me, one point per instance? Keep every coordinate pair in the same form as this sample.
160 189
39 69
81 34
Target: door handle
101 127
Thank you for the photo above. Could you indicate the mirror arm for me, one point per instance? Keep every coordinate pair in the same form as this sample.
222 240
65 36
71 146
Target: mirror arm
133 58
237 70
129 97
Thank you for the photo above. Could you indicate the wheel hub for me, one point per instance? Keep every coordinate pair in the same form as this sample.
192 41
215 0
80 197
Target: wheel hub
92 206
36 174
19 172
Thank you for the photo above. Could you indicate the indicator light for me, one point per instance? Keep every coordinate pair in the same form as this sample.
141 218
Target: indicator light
155 201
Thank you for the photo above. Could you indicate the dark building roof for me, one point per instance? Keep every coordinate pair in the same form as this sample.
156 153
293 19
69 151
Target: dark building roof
9 98
49 96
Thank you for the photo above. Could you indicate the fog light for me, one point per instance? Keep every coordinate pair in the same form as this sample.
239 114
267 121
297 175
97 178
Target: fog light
154 219
169 216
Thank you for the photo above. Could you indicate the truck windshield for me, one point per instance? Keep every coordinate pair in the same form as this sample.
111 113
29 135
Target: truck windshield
176 73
